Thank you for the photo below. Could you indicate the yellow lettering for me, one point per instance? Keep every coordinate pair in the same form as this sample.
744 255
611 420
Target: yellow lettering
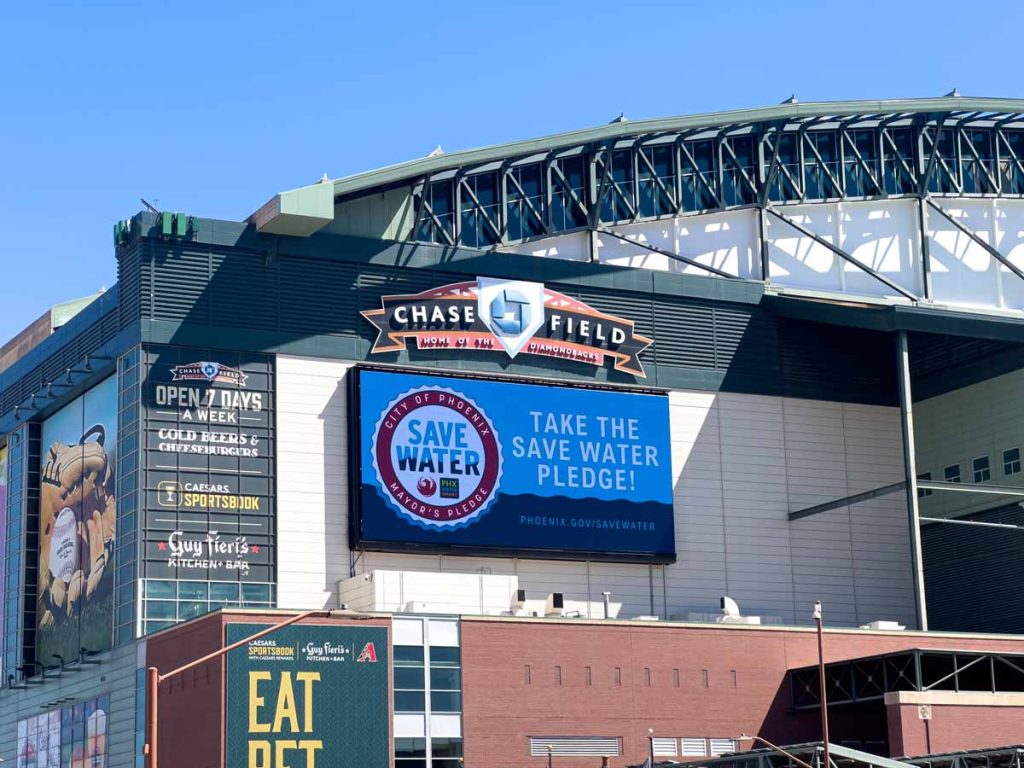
311 747
279 749
307 679
286 709
259 754
255 702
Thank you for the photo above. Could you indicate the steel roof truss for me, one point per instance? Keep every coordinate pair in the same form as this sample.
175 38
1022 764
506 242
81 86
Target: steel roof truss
696 171
642 157
525 199
859 158
568 188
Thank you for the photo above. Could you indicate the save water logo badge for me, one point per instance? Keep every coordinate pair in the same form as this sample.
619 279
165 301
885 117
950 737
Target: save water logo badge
437 458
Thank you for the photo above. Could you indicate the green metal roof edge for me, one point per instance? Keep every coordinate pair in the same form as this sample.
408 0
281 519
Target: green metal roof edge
616 130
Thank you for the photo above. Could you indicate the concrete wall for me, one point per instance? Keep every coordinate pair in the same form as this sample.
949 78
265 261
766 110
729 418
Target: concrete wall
740 463
113 675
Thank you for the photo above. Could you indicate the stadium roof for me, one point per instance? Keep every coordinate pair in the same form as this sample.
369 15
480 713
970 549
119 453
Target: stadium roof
313 197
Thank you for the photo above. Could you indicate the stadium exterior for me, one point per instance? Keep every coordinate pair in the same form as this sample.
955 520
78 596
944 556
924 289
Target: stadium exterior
521 417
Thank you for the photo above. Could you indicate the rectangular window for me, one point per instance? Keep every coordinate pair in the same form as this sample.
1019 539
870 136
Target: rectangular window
443 656
675 677
558 675
706 678
443 701
408 655
922 492
445 747
410 701
587 678
575 746
444 679
410 681
647 676
618 675
406 748
526 674
982 470
409 678
1011 461
733 673
952 473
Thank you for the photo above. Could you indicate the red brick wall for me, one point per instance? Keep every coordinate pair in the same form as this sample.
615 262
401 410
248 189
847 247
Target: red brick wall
191 710
953 728
501 710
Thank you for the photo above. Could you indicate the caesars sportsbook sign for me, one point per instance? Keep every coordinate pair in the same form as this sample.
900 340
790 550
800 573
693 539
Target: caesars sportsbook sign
471 465
308 696
511 316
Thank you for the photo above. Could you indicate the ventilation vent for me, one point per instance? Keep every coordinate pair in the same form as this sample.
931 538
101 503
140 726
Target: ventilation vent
575 746
692 747
722 746
665 747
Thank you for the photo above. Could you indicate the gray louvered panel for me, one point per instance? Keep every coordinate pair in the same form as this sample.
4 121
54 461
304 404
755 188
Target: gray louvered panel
684 332
318 296
181 286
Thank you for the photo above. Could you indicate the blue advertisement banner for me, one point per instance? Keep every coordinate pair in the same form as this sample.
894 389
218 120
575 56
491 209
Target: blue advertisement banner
493 467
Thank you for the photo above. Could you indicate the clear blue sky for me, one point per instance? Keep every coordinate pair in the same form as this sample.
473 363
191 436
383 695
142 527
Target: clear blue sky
210 108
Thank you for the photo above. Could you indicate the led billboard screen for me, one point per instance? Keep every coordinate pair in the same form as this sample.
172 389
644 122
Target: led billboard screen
484 466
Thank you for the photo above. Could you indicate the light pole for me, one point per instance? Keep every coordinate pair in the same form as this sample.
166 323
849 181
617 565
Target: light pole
821 680
154 678
774 748
549 756
650 746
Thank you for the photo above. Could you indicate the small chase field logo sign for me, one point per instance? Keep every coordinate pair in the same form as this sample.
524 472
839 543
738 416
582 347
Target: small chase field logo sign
209 371
437 457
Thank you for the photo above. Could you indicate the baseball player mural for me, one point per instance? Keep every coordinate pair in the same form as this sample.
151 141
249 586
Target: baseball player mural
77 514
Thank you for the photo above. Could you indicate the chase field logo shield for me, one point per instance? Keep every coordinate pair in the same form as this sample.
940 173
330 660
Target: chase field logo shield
512 310
437 458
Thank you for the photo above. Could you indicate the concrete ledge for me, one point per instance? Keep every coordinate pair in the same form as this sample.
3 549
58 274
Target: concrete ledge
952 698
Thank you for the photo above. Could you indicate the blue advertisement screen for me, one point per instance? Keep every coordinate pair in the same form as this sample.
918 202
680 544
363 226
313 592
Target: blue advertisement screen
450 463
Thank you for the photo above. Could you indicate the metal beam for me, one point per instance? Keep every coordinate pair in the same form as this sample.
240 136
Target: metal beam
848 501
842 254
910 473
947 485
978 523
